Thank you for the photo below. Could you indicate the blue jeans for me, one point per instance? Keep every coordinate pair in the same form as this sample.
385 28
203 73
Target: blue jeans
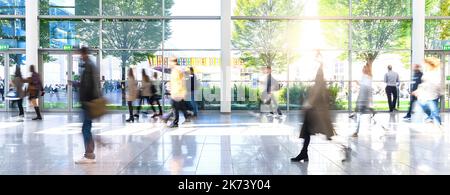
89 145
194 104
431 108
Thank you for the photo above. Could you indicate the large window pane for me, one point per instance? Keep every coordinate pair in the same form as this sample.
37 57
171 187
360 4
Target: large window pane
192 7
268 7
12 7
301 35
381 7
331 8
381 34
265 34
113 72
55 78
302 72
248 72
437 34
437 7
400 61
68 7
12 33
132 34
206 66
133 7
192 34
290 8
58 33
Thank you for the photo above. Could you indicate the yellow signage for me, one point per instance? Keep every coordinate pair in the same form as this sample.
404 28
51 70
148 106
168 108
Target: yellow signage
193 61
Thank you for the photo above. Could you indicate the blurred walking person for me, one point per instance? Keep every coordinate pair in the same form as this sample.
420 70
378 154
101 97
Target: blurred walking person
144 92
417 79
18 84
364 101
392 80
177 92
2 89
89 89
155 94
35 89
430 90
132 93
194 85
270 87
317 118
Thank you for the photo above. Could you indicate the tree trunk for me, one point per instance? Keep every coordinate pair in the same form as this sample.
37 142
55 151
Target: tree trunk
370 58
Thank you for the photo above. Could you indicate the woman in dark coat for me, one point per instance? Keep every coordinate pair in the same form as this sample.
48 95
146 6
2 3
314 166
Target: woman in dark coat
35 89
317 118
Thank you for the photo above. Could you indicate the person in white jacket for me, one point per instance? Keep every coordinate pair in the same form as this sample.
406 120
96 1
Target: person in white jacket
131 93
430 90
364 101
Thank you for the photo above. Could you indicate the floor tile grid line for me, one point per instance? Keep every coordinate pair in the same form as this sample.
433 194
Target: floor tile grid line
140 153
200 154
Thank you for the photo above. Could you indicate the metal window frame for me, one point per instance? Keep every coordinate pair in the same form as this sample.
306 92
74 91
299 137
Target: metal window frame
101 18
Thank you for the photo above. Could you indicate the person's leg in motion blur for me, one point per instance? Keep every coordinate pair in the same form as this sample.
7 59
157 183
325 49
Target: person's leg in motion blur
141 101
434 111
306 138
425 109
130 110
194 104
154 100
35 104
395 98
274 105
412 100
20 105
176 107
183 108
389 97
89 145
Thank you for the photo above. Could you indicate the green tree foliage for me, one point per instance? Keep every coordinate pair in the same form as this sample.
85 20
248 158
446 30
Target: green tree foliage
267 38
437 29
371 36
122 36
133 34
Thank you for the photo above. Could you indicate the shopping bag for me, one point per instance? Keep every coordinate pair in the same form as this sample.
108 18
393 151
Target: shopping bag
97 107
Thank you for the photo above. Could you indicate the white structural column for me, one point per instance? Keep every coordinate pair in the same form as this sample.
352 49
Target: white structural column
32 31
418 31
225 65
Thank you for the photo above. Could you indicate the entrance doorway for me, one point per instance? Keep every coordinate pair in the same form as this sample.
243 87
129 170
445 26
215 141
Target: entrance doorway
57 67
9 60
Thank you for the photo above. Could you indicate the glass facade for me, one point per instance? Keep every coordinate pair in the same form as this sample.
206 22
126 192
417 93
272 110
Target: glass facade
286 35
12 7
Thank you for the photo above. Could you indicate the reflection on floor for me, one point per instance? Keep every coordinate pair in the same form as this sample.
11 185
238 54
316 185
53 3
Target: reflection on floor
240 143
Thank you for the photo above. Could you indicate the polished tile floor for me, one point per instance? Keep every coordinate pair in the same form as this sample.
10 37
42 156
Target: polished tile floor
242 143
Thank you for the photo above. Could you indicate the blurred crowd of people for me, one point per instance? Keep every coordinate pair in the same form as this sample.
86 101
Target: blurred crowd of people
426 91
183 87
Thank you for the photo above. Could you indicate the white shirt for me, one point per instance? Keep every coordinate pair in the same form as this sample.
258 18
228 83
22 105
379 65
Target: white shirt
430 88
